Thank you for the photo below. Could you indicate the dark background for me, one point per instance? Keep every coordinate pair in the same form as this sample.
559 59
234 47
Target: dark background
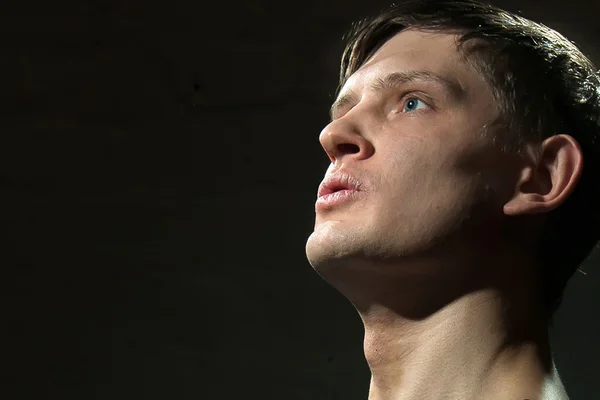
159 165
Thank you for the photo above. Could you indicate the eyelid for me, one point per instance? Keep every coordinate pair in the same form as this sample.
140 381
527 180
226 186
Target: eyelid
417 95
405 95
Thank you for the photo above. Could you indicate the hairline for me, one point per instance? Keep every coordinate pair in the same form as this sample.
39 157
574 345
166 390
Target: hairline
470 54
471 51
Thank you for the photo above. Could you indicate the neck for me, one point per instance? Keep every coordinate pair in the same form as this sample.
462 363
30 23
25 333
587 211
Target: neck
429 335
462 351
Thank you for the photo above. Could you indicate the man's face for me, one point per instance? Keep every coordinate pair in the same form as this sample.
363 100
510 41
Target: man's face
414 140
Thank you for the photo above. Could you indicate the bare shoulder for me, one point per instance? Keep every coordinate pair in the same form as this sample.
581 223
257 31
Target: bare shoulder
553 387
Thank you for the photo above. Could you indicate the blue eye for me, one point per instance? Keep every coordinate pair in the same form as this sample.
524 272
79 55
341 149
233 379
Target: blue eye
413 104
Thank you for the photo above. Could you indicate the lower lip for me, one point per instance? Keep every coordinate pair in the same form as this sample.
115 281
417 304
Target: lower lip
334 199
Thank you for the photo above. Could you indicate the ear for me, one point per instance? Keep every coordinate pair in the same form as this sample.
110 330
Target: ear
547 182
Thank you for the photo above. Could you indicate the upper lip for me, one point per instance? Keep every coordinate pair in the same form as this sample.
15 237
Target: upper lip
338 181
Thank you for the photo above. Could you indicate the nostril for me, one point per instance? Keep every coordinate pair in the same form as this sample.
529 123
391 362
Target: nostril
348 148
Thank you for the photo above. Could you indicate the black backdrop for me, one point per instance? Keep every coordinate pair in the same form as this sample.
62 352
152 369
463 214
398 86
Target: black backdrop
159 164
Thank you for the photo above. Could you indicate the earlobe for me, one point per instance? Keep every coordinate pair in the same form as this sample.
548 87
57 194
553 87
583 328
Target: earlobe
548 185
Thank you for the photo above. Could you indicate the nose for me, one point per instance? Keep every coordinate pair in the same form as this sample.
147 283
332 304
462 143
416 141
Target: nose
342 139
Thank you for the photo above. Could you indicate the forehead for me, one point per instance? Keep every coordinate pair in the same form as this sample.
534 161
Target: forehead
415 50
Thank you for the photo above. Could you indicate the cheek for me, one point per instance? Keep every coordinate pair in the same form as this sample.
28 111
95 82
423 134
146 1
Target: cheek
413 165
424 184
421 163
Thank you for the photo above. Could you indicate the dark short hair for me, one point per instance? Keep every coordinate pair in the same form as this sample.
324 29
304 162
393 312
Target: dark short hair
543 85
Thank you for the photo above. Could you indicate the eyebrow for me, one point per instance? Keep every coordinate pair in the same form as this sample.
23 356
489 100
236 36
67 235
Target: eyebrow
396 79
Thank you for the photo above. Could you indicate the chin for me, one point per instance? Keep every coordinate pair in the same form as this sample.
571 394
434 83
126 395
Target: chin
327 245
334 244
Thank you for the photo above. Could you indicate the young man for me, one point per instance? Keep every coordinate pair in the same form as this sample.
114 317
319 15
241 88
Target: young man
457 204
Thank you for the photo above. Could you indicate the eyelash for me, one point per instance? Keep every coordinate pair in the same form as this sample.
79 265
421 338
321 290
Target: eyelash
403 98
412 95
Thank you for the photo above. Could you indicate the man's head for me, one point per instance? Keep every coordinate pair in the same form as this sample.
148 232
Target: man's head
467 127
